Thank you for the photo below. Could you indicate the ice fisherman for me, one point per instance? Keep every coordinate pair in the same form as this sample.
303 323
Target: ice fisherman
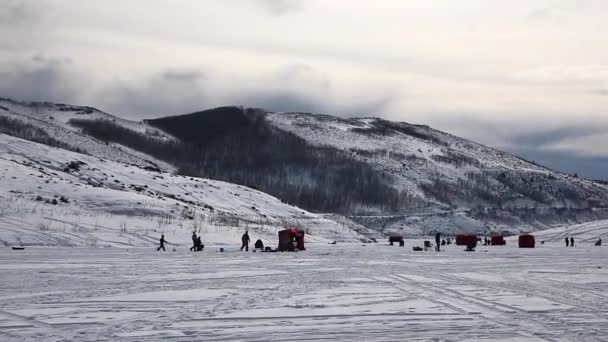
572 241
598 242
259 244
194 242
245 240
438 241
162 243
567 241
199 244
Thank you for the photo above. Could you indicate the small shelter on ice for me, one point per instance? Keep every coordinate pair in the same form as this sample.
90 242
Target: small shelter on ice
497 240
527 241
291 239
396 238
466 240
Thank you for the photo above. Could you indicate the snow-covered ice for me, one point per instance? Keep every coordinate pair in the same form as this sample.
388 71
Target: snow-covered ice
344 292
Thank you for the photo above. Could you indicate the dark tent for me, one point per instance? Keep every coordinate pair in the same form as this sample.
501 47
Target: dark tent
497 240
526 241
396 238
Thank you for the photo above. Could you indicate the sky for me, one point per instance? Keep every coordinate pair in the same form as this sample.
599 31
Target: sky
526 76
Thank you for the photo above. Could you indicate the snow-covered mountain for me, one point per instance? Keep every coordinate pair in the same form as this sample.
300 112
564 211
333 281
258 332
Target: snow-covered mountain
366 173
55 197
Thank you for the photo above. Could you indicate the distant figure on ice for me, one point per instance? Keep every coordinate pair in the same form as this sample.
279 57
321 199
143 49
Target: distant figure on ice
194 242
259 244
572 241
567 242
162 243
245 240
598 242
199 244
438 241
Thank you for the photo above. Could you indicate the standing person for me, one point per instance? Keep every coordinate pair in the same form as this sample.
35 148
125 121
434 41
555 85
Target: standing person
572 241
194 242
567 241
438 241
245 240
162 243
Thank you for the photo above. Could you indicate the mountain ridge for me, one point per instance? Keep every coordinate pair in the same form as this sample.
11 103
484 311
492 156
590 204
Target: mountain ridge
358 167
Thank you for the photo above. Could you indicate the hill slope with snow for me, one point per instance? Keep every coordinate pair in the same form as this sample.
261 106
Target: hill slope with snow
391 177
55 197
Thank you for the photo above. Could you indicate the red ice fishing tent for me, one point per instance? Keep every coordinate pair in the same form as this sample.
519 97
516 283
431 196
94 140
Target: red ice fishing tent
497 240
466 240
291 239
526 241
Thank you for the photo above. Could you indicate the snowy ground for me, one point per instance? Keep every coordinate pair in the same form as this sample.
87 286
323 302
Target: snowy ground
344 292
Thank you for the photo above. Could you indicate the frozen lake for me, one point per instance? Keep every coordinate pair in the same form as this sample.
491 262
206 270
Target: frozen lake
328 293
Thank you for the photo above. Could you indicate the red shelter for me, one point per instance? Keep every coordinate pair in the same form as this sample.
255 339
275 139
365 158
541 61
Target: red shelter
291 239
497 240
466 240
526 241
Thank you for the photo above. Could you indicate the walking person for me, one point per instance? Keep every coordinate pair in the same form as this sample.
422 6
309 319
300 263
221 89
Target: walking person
194 247
162 243
567 242
438 241
245 240
572 241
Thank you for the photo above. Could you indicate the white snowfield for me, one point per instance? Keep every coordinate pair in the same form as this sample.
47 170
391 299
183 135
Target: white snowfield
343 292
54 197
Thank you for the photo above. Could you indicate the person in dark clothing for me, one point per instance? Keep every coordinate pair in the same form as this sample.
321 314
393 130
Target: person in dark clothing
194 242
567 242
598 242
259 244
245 240
199 244
571 241
438 241
162 243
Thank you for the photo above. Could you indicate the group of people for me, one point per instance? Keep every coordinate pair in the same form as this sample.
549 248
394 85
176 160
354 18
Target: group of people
197 244
569 242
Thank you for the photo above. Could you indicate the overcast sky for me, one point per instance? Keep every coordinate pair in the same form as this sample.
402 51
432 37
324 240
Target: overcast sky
527 76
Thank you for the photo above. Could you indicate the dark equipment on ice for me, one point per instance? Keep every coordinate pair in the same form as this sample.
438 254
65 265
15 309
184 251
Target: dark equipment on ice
396 238
598 242
199 244
291 239
526 241
417 249
18 248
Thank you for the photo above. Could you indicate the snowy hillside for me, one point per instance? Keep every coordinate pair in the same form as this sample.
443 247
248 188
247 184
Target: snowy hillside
376 175
55 197
54 120
463 186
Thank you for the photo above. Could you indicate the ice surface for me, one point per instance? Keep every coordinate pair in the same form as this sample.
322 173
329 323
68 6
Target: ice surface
551 293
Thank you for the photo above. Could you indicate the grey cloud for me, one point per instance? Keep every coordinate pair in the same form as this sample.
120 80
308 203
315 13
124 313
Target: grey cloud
543 138
167 93
42 80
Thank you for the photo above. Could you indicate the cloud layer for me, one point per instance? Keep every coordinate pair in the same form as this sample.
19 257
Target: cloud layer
529 77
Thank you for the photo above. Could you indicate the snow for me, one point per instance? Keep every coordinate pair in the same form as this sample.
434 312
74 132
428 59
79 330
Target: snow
111 204
340 292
